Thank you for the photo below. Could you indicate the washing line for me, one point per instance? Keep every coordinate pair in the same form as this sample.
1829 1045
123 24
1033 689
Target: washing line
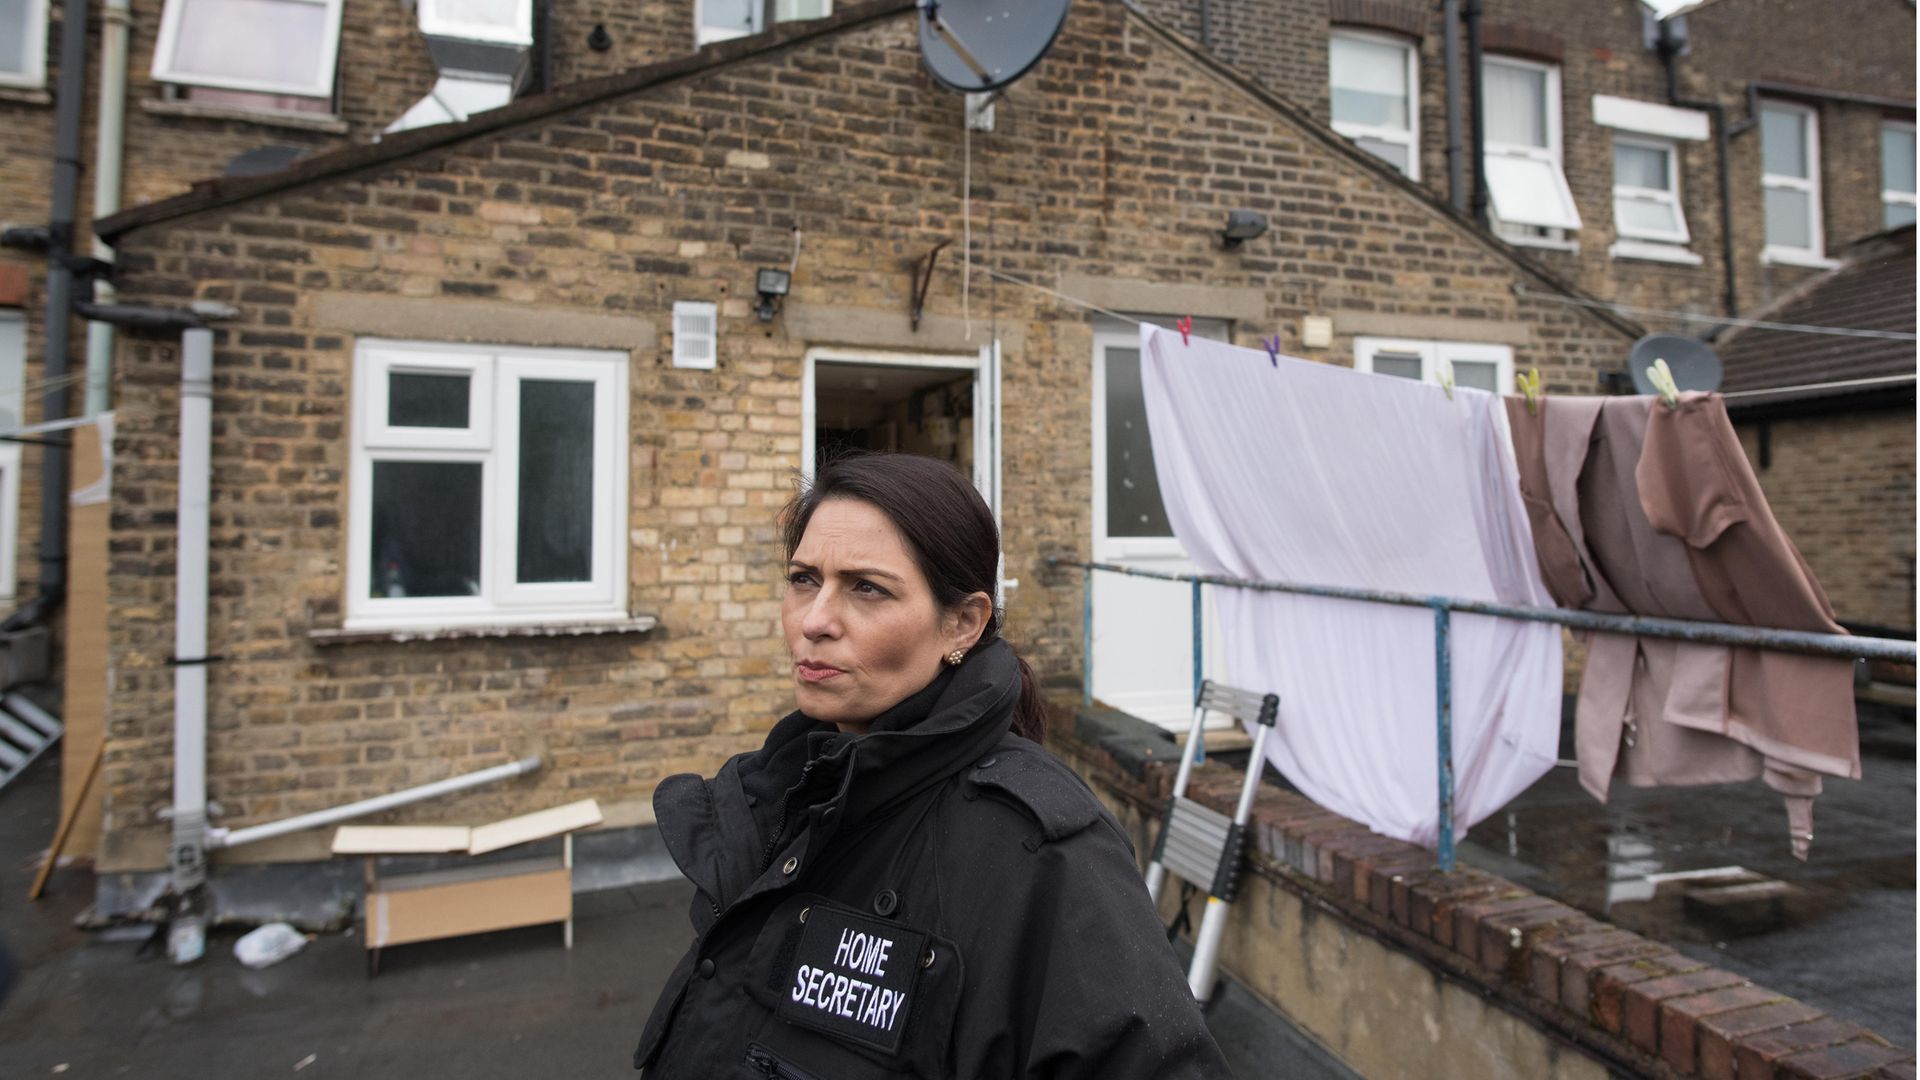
1723 320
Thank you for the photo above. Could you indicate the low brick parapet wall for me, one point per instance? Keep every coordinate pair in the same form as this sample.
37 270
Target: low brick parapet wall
1634 1004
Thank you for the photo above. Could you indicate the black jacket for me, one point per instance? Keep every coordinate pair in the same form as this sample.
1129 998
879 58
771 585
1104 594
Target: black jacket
936 898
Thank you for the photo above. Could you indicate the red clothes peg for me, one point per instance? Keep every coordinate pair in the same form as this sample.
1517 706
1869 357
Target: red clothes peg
1185 326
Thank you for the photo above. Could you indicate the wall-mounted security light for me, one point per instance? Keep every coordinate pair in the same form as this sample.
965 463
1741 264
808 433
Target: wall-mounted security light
772 286
1242 226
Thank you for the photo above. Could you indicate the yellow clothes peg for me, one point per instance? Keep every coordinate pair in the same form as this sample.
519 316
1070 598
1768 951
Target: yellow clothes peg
1661 376
1530 386
1446 377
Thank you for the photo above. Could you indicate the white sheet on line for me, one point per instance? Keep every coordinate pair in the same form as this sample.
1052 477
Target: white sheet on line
1317 474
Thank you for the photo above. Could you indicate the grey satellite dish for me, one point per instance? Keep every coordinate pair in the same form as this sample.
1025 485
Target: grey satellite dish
1694 364
979 45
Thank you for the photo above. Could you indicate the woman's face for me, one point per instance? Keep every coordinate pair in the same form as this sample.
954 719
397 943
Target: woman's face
860 619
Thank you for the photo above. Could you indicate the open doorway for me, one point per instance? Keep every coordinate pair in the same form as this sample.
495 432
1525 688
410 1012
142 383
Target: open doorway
924 407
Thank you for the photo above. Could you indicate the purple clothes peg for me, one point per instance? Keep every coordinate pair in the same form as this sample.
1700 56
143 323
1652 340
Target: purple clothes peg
1185 326
1273 349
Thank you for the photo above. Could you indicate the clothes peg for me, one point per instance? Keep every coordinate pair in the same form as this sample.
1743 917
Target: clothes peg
1273 349
1530 386
1185 326
1446 377
1661 376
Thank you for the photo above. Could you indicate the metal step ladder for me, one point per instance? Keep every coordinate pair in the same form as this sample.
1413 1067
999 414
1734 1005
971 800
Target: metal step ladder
26 731
1201 846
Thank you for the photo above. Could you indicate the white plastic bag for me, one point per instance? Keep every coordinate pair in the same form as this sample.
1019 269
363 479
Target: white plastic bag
268 945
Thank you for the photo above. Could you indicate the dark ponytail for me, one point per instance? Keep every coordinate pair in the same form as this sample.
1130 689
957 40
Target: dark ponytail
949 530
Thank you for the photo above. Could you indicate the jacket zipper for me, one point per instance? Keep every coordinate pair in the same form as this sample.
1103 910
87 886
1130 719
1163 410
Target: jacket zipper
780 818
772 1067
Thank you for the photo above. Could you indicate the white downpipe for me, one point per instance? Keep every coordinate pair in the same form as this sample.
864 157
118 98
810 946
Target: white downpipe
116 29
187 936
221 838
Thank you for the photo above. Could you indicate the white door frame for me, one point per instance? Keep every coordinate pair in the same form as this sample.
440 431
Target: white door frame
986 404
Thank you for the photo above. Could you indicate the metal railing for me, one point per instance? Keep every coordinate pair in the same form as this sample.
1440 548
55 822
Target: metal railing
1443 607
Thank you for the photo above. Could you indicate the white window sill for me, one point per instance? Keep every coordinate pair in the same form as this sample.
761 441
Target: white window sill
1795 257
355 635
1652 251
332 125
25 95
1542 243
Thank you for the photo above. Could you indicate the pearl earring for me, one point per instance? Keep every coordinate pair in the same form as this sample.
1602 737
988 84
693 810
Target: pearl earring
957 655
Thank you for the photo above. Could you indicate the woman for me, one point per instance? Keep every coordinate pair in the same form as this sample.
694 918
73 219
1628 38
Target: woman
900 882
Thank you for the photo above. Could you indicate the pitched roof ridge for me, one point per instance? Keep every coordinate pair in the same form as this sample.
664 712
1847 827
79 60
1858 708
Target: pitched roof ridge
1340 144
1857 255
216 192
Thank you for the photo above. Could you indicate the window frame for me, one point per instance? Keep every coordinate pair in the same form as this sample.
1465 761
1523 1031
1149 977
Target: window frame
704 35
164 48
503 600
1815 254
1669 197
434 22
1365 349
13 338
34 33
1891 196
1409 138
1552 155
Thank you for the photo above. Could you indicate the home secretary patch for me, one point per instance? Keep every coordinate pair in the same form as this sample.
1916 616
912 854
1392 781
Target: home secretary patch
852 977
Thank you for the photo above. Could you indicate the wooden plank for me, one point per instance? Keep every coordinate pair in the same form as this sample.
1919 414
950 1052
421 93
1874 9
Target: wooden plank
472 907
83 704
426 879
400 839
66 828
535 826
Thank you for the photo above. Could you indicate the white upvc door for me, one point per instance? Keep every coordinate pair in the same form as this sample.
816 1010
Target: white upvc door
1142 627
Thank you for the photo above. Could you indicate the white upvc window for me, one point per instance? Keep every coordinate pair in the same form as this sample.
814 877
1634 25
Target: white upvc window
23 43
1790 181
1896 173
1646 190
489 486
1482 367
724 20
1531 201
506 22
1375 81
264 46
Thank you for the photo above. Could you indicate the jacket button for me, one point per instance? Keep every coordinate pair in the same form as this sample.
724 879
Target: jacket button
792 864
706 968
886 902
986 762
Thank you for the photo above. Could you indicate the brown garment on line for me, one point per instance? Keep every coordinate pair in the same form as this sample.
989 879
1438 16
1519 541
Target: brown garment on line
1697 485
1651 711
1560 565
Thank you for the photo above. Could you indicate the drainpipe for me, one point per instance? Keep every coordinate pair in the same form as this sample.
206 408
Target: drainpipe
1456 159
1206 25
1672 41
70 103
115 30
186 937
1477 104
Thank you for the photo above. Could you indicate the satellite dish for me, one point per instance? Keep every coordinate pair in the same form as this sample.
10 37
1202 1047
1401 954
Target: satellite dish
1694 364
979 45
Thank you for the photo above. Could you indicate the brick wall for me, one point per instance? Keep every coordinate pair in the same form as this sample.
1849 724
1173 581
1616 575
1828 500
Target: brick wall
1117 158
1843 488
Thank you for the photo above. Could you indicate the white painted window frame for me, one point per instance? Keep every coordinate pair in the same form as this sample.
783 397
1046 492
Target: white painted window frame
1815 254
34 76
707 35
1432 352
1670 197
492 442
1513 232
13 335
322 87
435 20
1410 138
1892 196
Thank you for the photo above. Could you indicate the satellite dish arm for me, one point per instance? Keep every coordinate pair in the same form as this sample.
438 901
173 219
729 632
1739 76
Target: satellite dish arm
952 40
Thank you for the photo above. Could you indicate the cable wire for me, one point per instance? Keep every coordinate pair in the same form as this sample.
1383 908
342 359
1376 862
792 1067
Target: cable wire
1722 320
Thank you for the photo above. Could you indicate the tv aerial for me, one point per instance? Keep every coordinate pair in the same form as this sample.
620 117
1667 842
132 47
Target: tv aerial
979 46
1694 364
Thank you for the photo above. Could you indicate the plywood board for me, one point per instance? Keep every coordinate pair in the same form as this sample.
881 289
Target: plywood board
535 826
83 705
473 907
400 839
